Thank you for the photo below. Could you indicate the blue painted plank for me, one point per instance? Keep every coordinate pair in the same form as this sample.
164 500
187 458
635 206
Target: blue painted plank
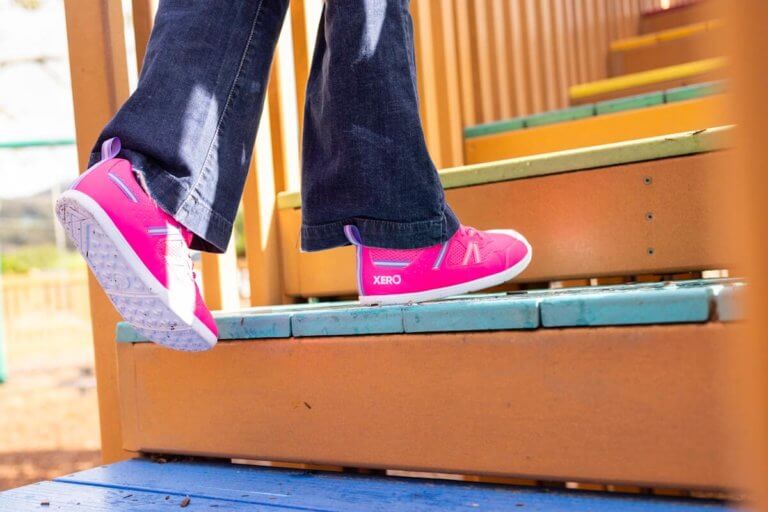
472 315
348 321
59 496
631 307
301 490
730 303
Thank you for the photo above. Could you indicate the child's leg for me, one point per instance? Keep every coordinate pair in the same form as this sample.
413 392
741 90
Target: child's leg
190 126
367 176
188 131
365 160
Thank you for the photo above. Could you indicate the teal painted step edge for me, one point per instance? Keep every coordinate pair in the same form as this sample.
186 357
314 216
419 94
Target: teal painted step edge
687 92
638 304
630 103
559 116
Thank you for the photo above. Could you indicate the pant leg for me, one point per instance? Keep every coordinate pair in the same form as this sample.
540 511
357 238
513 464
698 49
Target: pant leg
189 127
365 160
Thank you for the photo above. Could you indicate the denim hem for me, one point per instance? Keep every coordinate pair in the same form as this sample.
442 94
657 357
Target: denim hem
381 233
211 230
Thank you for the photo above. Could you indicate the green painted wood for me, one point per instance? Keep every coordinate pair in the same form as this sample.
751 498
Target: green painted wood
633 304
652 148
500 314
239 326
358 321
629 103
691 92
559 116
507 125
688 92
629 307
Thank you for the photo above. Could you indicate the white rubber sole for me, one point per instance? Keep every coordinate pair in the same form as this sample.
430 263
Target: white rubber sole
457 289
136 294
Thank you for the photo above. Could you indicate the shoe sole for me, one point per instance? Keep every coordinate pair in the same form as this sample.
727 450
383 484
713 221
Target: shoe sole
136 294
457 289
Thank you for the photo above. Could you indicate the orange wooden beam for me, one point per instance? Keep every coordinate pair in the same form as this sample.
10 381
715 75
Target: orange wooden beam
629 405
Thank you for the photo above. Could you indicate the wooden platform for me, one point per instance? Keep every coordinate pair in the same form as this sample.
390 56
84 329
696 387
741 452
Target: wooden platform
569 386
636 117
148 486
674 177
666 48
648 81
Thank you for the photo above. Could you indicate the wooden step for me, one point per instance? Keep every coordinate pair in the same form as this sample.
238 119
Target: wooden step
145 485
649 81
635 117
686 13
666 48
616 385
607 191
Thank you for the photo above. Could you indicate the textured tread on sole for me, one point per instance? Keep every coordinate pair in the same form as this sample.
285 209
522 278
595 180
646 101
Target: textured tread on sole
134 299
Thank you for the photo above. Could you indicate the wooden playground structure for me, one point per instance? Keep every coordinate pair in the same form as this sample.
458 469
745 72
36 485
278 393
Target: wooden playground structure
620 363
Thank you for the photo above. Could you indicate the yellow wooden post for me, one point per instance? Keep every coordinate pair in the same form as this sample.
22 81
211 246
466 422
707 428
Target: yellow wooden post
484 62
503 60
143 19
99 86
536 78
220 279
438 75
277 126
467 50
262 239
300 56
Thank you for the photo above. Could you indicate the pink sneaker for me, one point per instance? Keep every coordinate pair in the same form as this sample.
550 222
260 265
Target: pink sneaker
471 260
139 254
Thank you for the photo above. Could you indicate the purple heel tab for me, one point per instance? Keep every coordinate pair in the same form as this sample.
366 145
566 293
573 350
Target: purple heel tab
353 235
110 148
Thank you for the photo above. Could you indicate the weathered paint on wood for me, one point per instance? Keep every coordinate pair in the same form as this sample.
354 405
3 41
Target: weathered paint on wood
489 314
144 485
348 321
655 303
650 306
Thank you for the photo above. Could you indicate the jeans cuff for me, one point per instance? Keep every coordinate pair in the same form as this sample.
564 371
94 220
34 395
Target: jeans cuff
211 230
381 233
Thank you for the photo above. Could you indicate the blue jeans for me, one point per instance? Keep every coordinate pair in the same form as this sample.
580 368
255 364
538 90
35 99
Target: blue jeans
189 128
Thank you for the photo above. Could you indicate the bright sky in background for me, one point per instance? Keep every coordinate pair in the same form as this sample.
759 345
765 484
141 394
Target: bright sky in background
35 97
